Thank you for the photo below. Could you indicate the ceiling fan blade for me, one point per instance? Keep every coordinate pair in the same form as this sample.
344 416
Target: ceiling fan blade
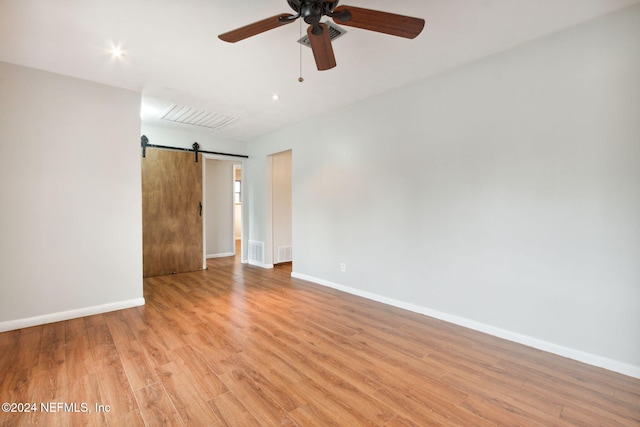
321 47
382 22
255 28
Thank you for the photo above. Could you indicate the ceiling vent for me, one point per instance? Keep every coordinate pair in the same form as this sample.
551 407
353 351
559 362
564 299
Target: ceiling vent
334 33
194 117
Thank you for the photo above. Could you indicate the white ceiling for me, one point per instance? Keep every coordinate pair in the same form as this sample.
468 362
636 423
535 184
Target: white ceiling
173 55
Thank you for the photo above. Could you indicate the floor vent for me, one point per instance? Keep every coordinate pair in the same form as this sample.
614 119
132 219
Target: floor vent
194 117
334 33
256 251
285 254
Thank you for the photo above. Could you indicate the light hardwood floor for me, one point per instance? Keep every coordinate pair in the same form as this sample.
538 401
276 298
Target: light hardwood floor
242 346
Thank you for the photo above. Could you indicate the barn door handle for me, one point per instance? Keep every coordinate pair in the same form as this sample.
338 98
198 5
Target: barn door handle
200 204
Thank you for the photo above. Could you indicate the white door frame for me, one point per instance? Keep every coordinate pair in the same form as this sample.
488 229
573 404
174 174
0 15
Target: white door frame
235 161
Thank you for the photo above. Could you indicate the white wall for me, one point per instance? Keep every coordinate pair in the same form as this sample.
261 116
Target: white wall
219 208
503 195
70 215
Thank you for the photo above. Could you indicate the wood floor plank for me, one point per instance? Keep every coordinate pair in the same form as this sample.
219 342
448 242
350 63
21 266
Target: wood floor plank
270 382
154 346
118 326
488 412
29 341
573 392
582 415
188 401
156 407
15 384
102 345
196 372
85 389
349 366
171 336
224 338
261 404
401 421
413 409
9 338
310 415
129 419
135 319
330 406
343 383
231 412
79 360
139 369
115 389
449 361
527 405
216 359
94 321
49 378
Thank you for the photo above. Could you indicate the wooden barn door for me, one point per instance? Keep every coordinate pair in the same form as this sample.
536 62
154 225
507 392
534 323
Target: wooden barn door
171 212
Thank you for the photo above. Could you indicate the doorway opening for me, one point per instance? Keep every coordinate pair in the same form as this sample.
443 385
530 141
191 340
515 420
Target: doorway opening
279 207
237 207
222 225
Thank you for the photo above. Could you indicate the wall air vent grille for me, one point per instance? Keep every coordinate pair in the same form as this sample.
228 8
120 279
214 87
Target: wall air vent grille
194 117
256 251
334 33
285 254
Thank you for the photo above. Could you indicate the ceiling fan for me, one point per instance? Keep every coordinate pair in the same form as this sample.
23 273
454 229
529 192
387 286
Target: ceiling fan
312 11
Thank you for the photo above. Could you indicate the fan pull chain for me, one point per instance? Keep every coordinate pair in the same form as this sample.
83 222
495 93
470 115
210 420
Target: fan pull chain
300 79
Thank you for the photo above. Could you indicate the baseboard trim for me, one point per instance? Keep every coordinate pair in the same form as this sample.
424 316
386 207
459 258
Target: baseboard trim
580 356
221 255
70 314
259 264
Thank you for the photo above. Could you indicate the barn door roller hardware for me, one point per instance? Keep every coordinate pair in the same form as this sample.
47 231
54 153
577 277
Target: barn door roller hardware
144 141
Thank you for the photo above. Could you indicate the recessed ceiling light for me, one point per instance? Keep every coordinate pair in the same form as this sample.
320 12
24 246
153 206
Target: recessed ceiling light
116 51
275 97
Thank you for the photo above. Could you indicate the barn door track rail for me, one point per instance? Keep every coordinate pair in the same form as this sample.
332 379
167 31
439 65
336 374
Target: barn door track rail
195 149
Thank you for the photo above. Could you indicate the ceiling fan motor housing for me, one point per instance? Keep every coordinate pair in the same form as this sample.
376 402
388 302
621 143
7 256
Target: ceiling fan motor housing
312 10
